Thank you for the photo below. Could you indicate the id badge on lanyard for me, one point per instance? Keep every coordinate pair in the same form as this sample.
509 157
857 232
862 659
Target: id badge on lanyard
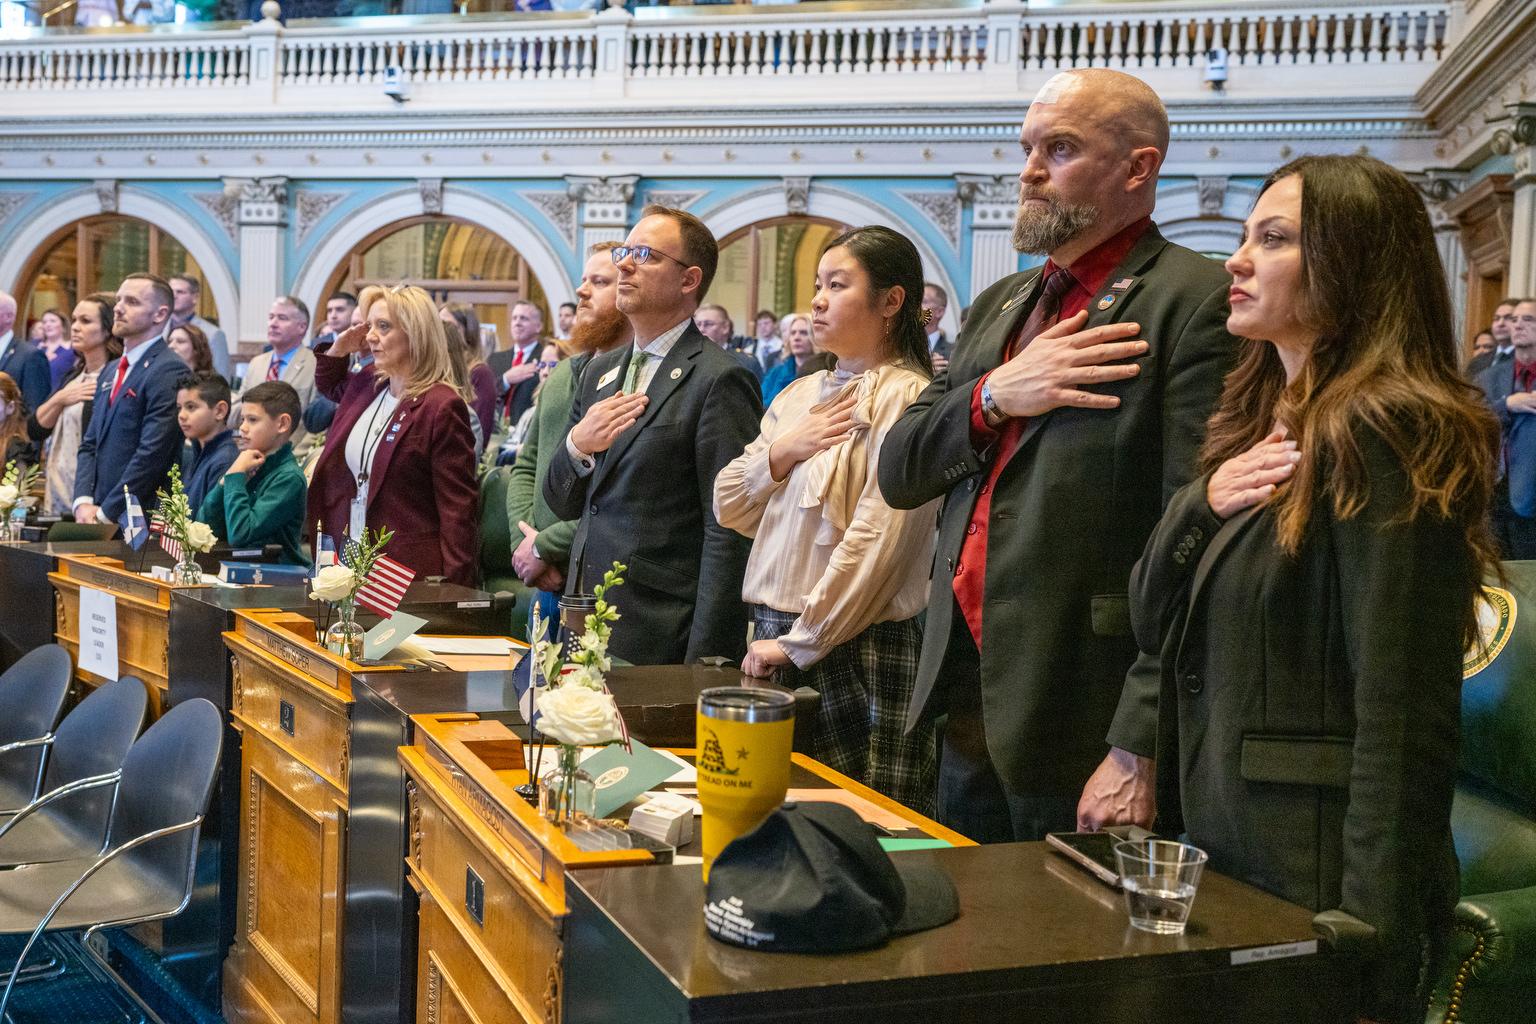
357 518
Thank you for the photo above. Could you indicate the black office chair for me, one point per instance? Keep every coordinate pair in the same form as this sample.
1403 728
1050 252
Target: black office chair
66 531
149 867
69 820
32 693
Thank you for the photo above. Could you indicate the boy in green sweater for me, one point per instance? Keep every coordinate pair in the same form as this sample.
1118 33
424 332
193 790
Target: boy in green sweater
261 498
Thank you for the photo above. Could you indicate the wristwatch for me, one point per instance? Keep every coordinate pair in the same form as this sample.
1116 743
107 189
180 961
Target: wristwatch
989 410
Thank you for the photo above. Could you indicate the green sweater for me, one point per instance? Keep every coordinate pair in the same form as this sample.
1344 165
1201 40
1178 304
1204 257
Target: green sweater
546 433
266 507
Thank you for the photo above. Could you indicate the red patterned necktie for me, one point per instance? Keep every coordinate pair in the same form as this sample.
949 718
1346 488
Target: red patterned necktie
117 382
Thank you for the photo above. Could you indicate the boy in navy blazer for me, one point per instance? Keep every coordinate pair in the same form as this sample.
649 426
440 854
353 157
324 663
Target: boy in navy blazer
134 436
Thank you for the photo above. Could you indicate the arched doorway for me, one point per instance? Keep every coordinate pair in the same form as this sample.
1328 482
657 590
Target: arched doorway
771 265
455 260
94 255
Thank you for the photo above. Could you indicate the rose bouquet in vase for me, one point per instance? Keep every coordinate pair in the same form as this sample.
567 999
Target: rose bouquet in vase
180 534
16 497
575 708
337 585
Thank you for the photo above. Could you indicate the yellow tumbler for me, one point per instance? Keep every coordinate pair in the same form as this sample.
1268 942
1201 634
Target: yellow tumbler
744 738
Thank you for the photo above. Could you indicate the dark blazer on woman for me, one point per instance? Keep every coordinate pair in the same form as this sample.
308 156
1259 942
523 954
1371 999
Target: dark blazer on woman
1309 707
423 481
484 383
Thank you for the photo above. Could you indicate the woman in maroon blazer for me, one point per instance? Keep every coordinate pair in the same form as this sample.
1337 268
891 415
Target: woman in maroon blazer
400 454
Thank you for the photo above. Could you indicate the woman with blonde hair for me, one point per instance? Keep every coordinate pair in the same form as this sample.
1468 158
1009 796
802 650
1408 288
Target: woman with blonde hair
400 454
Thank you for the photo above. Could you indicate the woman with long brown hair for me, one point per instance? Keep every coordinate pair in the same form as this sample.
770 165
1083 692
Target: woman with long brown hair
1312 593
63 419
191 346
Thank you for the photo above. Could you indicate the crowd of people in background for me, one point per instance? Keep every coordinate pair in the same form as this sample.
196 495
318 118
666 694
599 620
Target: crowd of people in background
923 529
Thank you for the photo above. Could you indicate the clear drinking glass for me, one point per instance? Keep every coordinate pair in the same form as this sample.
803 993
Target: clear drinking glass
1159 878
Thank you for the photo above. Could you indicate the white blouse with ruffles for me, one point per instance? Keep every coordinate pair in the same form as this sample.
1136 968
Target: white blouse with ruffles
826 546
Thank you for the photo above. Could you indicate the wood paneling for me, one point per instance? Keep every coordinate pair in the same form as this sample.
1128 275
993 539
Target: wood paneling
143 621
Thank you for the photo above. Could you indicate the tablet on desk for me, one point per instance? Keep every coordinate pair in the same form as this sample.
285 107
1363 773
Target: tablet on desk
1095 851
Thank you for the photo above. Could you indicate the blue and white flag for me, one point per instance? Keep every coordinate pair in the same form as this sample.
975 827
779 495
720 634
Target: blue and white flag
325 551
135 529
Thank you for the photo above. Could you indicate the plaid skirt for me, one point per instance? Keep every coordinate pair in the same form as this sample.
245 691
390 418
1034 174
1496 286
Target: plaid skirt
860 728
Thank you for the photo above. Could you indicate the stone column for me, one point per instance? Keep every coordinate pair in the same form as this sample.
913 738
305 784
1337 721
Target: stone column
602 208
993 201
1438 189
263 219
1520 141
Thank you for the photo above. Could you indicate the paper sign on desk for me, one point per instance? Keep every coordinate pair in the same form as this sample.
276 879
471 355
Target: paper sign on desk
486 645
389 634
98 632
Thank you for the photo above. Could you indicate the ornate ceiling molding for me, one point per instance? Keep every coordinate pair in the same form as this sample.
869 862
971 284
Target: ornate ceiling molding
224 209
559 209
311 207
942 210
11 201
677 199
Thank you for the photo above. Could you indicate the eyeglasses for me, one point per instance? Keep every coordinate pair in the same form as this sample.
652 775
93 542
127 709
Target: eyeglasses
641 253
548 364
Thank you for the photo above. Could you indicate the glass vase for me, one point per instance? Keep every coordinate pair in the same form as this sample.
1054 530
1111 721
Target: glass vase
187 572
345 636
567 794
7 530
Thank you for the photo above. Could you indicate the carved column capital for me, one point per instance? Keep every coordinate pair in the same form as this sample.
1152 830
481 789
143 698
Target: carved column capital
263 201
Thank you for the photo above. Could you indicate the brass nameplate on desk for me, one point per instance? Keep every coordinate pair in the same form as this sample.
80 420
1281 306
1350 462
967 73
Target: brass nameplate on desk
114 582
305 659
495 817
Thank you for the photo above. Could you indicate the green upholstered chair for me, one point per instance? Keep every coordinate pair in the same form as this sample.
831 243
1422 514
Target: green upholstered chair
496 575
1492 977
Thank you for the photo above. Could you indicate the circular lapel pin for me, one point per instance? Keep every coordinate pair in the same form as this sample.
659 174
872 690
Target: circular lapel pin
676 372
1106 302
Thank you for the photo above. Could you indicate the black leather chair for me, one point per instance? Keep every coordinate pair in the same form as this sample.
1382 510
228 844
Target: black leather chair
69 820
148 868
32 693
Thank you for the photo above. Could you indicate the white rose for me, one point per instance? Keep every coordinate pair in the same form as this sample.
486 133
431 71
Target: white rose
8 495
578 715
200 536
333 583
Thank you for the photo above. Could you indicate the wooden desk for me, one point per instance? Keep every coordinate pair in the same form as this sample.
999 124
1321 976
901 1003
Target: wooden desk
143 621
292 705
495 880
1037 939
26 594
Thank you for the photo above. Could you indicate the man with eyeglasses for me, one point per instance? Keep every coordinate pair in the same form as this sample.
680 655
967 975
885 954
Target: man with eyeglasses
715 324
652 424
1511 388
1503 345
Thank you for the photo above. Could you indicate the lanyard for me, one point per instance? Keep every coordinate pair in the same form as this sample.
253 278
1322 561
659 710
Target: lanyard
364 463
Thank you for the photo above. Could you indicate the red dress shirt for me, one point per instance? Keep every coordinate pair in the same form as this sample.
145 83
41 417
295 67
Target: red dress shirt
1091 271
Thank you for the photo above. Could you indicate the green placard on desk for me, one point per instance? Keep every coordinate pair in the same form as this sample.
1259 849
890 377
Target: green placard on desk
622 776
894 844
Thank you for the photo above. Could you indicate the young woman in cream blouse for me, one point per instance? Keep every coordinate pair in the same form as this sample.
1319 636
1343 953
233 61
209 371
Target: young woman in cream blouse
837 577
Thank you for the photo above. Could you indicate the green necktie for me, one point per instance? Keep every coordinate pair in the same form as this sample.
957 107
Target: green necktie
636 365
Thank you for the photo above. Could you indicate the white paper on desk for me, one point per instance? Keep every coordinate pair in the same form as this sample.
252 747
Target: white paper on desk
466 644
98 632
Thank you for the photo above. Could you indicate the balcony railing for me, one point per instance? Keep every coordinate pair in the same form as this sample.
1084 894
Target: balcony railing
904 51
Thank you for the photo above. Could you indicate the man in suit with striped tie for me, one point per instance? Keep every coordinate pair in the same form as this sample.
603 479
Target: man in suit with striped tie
288 361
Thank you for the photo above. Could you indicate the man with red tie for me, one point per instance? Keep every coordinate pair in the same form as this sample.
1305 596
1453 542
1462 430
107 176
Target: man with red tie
1511 389
517 367
1073 404
133 438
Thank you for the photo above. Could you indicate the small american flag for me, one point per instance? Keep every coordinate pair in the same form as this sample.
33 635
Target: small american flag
171 545
385 586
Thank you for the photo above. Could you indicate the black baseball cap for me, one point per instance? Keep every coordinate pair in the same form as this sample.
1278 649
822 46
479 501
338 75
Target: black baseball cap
813 878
